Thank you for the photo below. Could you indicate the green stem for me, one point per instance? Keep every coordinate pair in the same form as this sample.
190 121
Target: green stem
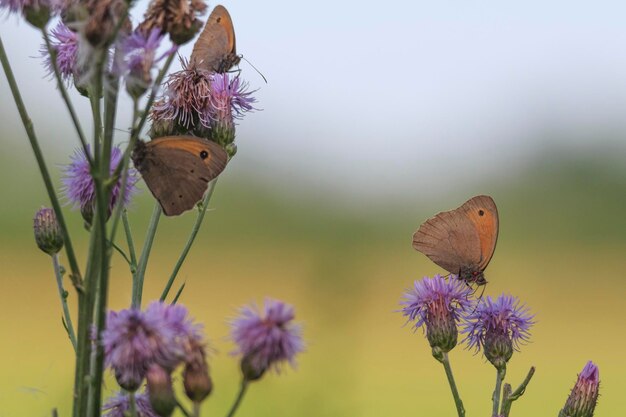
129 240
66 98
132 404
242 392
63 296
190 240
509 397
143 259
136 130
183 409
75 275
121 252
501 372
455 392
196 409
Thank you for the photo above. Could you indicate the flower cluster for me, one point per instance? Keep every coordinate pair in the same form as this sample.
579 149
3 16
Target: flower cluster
266 339
134 340
497 327
202 103
79 187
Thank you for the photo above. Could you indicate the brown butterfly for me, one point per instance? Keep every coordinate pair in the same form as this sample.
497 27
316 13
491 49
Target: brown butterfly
178 169
461 241
215 49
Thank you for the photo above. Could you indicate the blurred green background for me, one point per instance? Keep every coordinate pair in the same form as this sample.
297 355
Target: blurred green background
524 102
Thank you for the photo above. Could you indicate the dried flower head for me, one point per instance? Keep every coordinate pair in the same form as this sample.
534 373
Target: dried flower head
583 398
79 188
134 340
196 379
179 18
119 405
439 305
103 18
498 327
160 390
47 231
65 45
266 339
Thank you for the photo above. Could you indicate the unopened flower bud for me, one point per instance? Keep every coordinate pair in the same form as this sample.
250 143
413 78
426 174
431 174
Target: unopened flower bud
160 391
231 149
196 378
223 131
183 33
37 14
584 396
47 232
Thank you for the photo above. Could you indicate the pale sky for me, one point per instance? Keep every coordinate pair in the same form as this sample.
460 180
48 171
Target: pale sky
399 96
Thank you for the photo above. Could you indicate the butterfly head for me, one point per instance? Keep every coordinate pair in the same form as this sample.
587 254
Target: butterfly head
472 276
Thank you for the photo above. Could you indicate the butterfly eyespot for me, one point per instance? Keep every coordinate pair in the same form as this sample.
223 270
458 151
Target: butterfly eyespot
481 213
204 154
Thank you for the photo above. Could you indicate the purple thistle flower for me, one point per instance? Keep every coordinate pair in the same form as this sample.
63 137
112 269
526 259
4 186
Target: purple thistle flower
119 405
584 396
134 340
65 44
79 188
187 98
137 59
498 327
439 305
267 339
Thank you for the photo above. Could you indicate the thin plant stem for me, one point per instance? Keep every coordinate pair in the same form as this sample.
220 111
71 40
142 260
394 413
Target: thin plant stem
121 252
240 395
66 97
501 372
190 240
183 409
63 296
143 259
136 130
196 409
129 240
509 397
455 392
75 275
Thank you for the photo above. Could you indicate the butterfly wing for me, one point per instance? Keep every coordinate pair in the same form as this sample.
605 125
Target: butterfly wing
177 169
483 213
215 50
449 240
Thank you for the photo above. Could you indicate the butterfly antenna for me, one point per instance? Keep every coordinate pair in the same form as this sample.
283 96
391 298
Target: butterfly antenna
255 68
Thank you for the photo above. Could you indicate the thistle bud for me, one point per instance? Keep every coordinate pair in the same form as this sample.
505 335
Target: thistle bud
160 391
250 371
37 13
47 232
196 379
584 396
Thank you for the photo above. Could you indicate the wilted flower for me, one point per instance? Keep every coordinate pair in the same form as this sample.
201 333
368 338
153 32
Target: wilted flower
498 327
584 396
65 44
119 406
134 340
79 188
229 99
196 379
47 232
137 58
266 339
176 17
439 305
103 18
